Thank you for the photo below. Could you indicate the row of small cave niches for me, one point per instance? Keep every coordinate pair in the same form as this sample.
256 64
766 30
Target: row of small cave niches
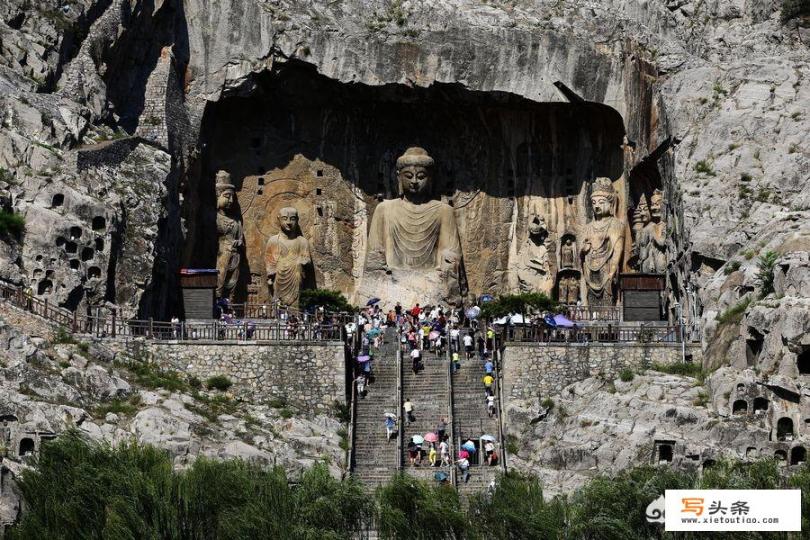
795 455
80 249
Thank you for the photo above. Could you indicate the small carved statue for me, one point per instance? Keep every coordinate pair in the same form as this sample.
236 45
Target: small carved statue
573 291
532 271
287 259
641 216
602 246
416 232
652 241
231 238
567 253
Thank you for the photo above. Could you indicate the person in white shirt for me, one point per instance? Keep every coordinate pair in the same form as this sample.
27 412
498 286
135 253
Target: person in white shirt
468 345
416 360
454 335
491 405
444 453
408 407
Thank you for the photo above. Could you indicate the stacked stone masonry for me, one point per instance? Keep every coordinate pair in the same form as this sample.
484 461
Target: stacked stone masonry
530 370
308 376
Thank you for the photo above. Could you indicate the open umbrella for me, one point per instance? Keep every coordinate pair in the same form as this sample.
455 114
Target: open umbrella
418 439
372 301
487 438
463 454
374 332
362 359
469 446
440 476
486 298
433 335
473 312
431 437
390 415
563 321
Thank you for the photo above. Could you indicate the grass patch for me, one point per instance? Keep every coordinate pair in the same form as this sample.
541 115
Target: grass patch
63 337
212 407
766 264
704 167
626 375
343 433
286 413
342 411
732 267
547 403
688 369
125 407
735 312
745 177
278 402
512 445
150 375
218 382
701 400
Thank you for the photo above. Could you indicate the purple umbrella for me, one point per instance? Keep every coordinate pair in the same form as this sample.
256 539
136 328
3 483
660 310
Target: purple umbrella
563 321
363 359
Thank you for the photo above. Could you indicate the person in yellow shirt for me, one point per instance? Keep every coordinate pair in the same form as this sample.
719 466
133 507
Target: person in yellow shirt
488 380
432 455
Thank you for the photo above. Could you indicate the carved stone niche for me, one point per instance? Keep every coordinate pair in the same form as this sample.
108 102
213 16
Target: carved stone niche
568 286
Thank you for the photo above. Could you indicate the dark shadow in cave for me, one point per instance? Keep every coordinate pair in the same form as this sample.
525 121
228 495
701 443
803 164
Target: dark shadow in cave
499 143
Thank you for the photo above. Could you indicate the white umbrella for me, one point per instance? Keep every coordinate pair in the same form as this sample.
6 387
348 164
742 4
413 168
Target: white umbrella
390 415
487 438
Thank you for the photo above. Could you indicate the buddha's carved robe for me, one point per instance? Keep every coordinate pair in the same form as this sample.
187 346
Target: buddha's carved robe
286 260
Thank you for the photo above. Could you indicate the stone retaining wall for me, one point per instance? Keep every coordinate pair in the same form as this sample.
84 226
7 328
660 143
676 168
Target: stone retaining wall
310 376
530 370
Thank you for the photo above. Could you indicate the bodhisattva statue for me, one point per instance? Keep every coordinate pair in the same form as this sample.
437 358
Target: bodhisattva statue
602 247
414 240
532 271
231 239
287 259
652 241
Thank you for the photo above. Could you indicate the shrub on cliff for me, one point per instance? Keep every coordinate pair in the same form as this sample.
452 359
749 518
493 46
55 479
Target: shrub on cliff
794 8
11 224
218 382
518 303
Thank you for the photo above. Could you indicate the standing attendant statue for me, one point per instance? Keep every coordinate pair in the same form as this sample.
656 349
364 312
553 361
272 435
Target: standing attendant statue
287 259
652 240
230 236
532 270
602 247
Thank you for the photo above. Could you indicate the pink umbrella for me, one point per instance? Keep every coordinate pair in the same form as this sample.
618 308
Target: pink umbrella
463 454
431 437
433 335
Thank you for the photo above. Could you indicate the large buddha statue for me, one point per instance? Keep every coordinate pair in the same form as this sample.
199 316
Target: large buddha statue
287 259
602 246
230 237
414 250
651 240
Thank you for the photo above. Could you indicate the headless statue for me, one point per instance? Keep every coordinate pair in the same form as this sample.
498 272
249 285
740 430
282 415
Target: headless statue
287 258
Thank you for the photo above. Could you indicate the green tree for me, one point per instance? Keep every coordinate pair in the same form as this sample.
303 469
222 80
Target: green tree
516 509
518 303
332 301
408 508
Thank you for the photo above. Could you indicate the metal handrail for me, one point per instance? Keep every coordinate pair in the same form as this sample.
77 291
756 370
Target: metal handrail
451 442
594 334
499 389
352 420
400 420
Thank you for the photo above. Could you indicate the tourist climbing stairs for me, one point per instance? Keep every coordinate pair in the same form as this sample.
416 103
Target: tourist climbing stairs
471 421
374 458
429 393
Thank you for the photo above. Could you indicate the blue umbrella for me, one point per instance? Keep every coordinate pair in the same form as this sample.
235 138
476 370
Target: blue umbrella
549 320
469 447
373 301
486 298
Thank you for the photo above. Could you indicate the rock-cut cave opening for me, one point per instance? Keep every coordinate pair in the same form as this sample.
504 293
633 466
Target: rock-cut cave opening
329 149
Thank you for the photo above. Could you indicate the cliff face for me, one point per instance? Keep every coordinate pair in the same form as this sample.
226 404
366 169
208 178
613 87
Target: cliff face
117 113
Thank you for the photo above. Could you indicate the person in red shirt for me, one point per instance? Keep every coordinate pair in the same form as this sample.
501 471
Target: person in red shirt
416 310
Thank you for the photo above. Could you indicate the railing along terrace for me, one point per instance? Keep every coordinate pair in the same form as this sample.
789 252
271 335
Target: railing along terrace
593 313
594 334
273 311
111 325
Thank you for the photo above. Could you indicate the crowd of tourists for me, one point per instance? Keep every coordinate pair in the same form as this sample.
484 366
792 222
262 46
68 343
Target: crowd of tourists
441 331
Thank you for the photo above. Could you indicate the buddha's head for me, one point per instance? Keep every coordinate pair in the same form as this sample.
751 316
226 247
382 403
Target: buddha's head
603 197
656 200
225 191
537 227
414 169
288 220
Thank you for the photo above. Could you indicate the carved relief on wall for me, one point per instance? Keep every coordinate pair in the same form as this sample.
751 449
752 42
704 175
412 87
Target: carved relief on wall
602 246
568 286
325 208
532 270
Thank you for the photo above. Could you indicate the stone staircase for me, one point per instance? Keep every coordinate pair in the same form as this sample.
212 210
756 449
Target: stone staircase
428 391
470 421
374 457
